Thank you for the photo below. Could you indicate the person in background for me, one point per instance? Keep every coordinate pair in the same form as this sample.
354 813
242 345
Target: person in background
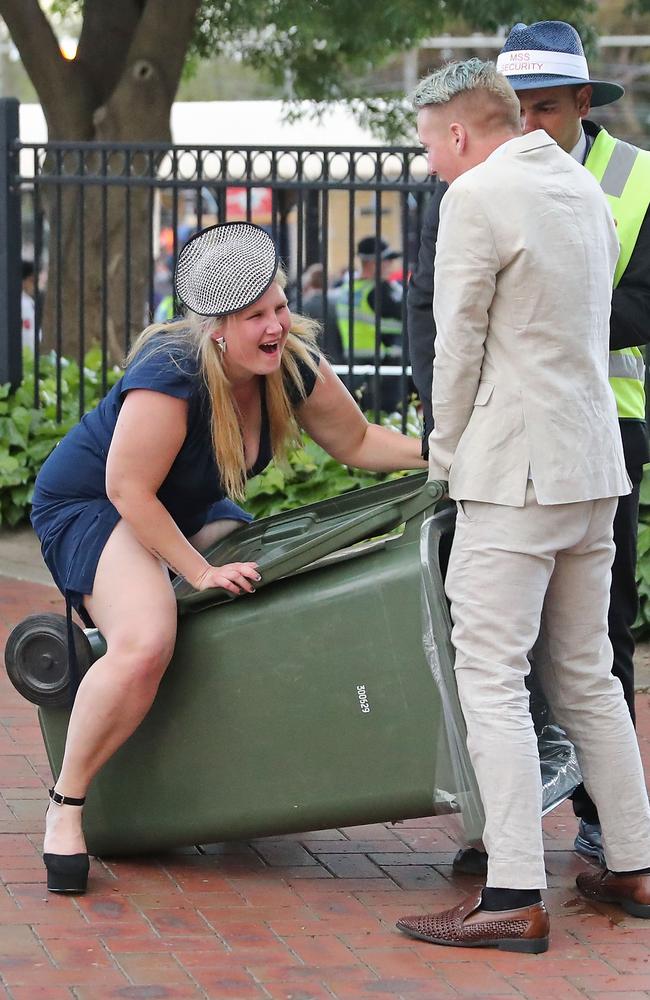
313 301
165 310
28 305
420 325
558 97
162 284
147 481
369 294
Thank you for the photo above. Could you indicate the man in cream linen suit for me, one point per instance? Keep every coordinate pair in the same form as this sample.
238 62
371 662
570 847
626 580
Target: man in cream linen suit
526 433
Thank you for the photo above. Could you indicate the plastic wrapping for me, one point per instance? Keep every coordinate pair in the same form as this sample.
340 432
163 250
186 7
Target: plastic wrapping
557 756
559 766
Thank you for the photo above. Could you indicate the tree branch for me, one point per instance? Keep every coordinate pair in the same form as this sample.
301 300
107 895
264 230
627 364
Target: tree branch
153 65
54 79
33 37
106 37
139 105
163 37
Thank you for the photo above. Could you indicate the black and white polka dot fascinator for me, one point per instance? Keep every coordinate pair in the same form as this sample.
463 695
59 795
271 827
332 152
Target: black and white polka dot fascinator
225 268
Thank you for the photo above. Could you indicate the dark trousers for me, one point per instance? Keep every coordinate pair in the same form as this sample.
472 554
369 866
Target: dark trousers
623 608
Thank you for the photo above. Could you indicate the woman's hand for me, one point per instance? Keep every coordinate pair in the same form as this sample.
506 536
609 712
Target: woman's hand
238 577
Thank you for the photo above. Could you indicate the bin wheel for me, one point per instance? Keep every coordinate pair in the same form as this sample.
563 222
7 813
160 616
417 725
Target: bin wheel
36 659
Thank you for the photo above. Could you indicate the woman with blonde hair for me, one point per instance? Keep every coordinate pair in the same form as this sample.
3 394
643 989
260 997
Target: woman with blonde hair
149 478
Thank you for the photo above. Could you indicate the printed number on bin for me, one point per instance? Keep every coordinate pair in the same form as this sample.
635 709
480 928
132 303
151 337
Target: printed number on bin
363 698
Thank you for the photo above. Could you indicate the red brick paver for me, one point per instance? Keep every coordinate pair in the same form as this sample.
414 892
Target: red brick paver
306 917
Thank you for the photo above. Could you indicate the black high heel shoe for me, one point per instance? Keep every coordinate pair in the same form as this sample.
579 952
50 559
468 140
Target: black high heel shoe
66 872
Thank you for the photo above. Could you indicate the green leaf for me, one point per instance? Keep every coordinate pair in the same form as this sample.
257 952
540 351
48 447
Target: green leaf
643 542
644 493
273 478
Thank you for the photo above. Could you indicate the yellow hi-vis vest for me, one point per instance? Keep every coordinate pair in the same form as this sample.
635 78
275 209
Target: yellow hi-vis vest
363 319
623 172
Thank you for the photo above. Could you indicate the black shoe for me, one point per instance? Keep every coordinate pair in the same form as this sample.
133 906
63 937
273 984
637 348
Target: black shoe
470 861
589 842
66 872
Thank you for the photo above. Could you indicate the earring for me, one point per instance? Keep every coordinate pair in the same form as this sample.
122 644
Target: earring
221 344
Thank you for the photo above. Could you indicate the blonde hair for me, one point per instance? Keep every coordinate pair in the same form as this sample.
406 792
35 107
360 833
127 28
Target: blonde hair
227 437
475 81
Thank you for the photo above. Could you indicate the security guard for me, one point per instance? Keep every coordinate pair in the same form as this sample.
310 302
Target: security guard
371 293
545 64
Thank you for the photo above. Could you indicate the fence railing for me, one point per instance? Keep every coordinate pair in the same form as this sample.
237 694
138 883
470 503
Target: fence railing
104 223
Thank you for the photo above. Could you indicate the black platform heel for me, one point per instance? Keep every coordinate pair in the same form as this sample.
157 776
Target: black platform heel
66 872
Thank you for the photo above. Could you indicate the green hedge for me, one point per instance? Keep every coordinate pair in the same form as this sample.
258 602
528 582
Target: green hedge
28 435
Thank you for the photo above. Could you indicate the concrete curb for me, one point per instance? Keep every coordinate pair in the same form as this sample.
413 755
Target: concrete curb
20 556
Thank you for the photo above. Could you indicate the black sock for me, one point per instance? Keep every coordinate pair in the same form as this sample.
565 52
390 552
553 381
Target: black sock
638 871
509 899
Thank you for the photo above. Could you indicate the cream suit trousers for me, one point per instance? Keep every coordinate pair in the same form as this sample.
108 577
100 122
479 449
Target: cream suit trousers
512 568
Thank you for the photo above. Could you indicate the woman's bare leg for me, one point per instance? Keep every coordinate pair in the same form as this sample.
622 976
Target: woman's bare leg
134 607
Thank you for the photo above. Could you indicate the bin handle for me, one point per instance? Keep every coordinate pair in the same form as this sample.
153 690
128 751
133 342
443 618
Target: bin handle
289 529
362 526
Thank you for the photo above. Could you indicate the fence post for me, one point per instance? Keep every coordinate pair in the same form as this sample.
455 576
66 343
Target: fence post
11 361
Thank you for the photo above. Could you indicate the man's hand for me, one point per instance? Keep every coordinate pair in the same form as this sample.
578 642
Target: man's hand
238 578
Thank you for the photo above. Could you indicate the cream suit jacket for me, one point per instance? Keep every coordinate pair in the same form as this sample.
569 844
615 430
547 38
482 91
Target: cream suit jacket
524 266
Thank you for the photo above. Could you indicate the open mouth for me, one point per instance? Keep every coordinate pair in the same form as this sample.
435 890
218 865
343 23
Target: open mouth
270 348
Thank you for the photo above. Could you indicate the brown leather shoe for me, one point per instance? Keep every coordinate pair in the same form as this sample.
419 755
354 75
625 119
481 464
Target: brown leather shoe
631 892
467 926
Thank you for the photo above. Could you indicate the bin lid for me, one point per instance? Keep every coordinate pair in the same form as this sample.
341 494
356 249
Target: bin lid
285 543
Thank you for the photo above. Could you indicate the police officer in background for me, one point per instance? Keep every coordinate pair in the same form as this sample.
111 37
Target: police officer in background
372 293
546 66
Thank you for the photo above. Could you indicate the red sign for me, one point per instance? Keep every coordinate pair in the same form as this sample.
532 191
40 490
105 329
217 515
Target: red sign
261 205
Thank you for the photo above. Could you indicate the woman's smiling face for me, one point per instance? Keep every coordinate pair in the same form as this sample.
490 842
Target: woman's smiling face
255 337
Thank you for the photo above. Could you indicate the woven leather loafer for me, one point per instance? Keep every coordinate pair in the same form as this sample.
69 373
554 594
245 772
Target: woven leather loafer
630 892
467 926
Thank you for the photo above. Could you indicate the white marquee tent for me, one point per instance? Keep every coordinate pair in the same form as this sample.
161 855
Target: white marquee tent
235 123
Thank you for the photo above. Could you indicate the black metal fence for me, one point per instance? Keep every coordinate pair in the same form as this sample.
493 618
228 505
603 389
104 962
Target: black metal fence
104 224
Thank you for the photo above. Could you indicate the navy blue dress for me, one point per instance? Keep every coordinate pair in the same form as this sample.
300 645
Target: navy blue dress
71 513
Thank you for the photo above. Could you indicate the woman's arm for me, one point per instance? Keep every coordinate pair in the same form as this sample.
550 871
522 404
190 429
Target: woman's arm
332 418
148 435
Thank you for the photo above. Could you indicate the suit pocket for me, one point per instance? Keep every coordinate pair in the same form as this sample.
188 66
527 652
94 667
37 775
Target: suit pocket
483 393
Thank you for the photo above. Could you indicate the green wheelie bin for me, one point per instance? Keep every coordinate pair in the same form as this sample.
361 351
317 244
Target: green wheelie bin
307 705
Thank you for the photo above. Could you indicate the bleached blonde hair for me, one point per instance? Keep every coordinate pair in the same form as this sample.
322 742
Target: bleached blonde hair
227 436
478 81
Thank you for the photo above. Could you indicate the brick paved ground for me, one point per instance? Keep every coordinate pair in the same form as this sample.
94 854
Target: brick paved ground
292 918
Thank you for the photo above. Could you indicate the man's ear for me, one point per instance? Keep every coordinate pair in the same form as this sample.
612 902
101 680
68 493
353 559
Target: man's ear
583 99
459 136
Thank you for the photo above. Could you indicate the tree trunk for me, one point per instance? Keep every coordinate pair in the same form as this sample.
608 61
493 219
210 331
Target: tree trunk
99 267
119 88
101 233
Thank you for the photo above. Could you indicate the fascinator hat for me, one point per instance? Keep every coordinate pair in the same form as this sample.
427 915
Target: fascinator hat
225 268
550 54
